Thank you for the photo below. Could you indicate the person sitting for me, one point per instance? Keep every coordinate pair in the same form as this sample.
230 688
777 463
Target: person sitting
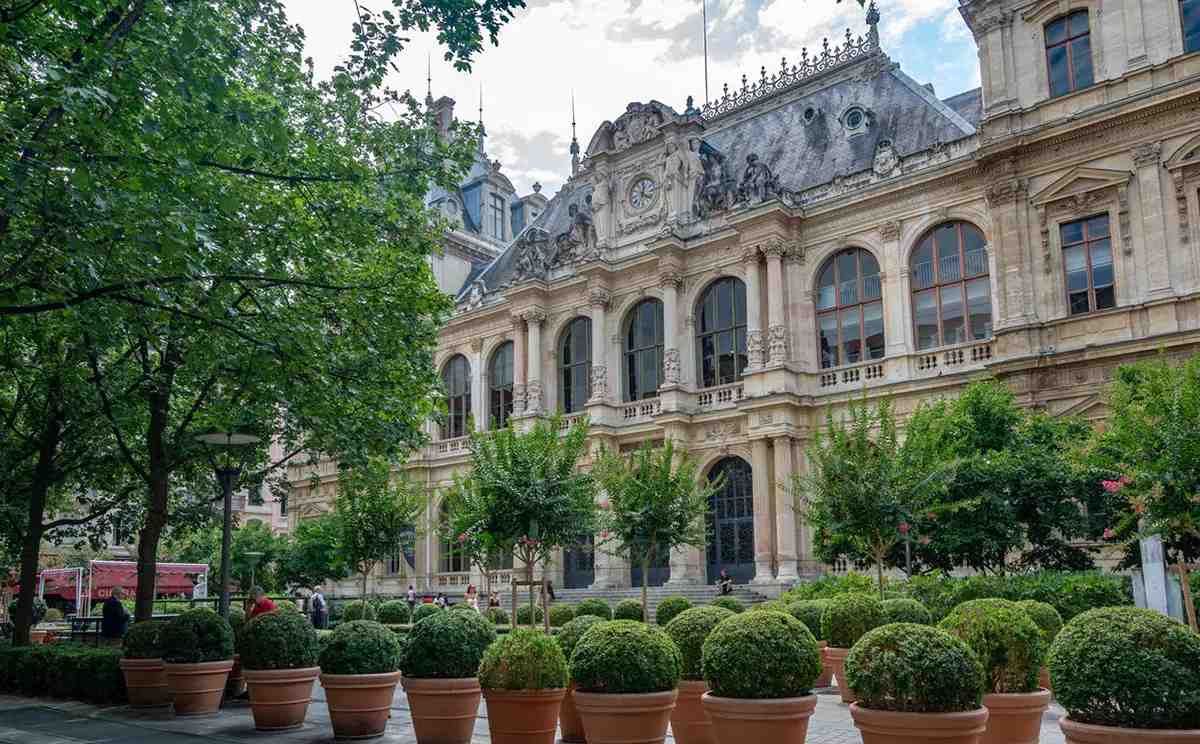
262 603
725 583
115 618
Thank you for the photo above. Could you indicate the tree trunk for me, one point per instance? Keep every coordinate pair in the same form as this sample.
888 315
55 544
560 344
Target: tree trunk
156 512
645 583
532 611
879 574
30 550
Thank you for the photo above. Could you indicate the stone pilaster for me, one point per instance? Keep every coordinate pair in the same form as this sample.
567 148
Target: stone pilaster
1146 160
777 335
598 300
754 329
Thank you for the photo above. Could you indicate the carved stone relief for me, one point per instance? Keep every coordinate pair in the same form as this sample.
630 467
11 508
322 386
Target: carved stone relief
671 366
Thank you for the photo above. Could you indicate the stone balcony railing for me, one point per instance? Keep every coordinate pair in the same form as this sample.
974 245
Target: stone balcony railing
639 411
717 398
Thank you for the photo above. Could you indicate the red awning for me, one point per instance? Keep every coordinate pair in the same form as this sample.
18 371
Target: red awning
172 578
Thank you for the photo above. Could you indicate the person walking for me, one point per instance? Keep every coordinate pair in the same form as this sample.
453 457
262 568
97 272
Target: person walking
320 613
412 599
115 618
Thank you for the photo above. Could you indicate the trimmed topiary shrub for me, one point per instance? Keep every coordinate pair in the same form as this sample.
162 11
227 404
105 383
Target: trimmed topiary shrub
446 645
1004 638
771 605
628 609
279 640
237 623
497 615
561 614
570 633
393 612
53 615
360 647
144 640
422 611
914 669
197 636
848 617
625 657
63 670
1127 667
523 660
809 611
524 614
1045 617
729 603
761 655
461 607
904 610
594 606
688 630
357 610
667 609
830 586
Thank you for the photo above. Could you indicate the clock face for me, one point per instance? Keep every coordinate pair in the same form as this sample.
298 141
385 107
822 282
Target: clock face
642 193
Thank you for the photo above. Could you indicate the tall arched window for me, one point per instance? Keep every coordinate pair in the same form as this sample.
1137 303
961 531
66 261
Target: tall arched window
952 298
500 386
575 365
849 309
456 381
721 332
453 559
644 350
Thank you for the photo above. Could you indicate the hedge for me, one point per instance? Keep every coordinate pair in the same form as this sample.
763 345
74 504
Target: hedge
66 670
1069 593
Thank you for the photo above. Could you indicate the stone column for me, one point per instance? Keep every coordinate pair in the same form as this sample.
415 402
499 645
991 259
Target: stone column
1010 253
777 335
1146 160
519 355
895 302
599 298
533 379
670 280
764 527
687 563
801 310
478 384
785 513
754 331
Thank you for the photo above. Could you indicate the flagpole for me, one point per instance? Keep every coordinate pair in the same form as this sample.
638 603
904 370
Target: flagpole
704 15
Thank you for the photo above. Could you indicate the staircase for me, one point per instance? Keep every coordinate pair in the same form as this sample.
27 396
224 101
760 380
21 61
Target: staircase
697 594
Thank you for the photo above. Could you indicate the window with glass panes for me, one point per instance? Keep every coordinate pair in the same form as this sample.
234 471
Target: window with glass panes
849 309
575 365
952 298
456 381
497 216
721 332
453 558
1088 265
500 386
1189 12
1069 53
644 350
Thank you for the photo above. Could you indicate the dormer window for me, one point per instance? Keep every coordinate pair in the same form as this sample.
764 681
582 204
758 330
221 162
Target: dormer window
1069 53
856 120
497 217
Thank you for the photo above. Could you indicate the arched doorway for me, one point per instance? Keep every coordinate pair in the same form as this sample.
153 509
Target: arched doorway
731 521
579 564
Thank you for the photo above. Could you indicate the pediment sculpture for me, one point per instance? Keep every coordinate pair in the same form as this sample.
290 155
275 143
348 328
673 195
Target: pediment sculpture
758 182
718 187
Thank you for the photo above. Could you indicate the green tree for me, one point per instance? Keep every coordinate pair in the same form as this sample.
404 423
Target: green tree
656 503
375 514
312 555
204 546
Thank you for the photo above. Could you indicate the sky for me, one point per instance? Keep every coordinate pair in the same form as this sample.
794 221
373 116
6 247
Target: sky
607 54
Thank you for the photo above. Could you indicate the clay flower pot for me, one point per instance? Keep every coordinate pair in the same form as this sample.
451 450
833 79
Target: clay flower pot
778 721
146 682
690 723
236 683
443 710
523 716
569 723
279 698
359 704
1044 679
834 662
1086 733
826 678
197 688
38 637
891 727
1015 718
625 719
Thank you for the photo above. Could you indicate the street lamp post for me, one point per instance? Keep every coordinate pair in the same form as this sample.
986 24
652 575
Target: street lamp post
253 558
228 474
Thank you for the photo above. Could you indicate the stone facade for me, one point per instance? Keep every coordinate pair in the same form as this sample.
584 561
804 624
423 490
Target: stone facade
842 232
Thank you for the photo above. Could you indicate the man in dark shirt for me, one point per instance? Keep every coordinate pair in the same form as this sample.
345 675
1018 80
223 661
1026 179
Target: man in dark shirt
115 618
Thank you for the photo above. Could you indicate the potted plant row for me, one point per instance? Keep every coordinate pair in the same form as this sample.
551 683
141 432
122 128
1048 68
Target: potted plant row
809 611
142 665
847 618
570 725
197 647
689 629
360 666
524 680
279 652
1050 623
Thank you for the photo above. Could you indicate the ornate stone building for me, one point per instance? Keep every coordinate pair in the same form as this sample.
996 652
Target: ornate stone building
723 275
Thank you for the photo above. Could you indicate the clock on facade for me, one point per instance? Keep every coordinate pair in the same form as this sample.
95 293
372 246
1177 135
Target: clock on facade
642 193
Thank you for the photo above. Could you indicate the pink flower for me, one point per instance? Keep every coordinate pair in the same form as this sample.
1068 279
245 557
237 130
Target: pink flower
1112 486
1109 534
903 528
924 539
604 535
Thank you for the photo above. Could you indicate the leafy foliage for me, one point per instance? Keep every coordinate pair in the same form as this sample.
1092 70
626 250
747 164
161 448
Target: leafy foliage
761 655
904 610
374 513
359 609
527 615
144 640
593 606
625 657
914 669
729 603
447 645
1127 667
523 660
279 640
1004 638
830 585
629 609
40 608
809 612
422 611
1069 593
197 636
848 617
573 631
393 612
360 647
1045 617
669 607
688 630
63 670
311 555
561 614
497 615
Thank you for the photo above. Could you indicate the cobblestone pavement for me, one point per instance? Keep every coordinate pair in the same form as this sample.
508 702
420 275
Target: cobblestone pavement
35 721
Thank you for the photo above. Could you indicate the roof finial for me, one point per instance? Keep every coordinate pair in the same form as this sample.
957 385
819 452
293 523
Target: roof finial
428 79
873 24
482 131
574 139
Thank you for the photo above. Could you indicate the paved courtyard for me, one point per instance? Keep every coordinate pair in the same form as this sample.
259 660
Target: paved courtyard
33 721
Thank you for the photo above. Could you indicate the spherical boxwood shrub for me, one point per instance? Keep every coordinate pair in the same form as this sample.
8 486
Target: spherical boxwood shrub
462 607
809 611
1004 637
422 611
628 609
1046 618
497 615
729 603
393 612
904 610
625 657
667 609
771 605
594 606
447 645
144 640
570 633
360 647
279 640
523 660
688 630
524 613
914 669
237 623
197 636
761 655
1127 667
848 617
53 615
357 610
561 614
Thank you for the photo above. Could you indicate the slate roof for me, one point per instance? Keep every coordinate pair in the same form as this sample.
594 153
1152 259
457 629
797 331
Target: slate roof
969 105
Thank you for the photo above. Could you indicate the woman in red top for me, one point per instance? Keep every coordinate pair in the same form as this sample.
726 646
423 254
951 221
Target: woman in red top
262 603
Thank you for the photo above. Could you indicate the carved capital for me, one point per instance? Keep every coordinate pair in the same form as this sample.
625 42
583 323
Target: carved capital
670 278
890 231
750 256
518 324
1006 191
1147 153
795 252
534 316
775 248
477 344
599 297
777 344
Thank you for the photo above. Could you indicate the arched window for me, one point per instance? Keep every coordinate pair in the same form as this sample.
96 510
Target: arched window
721 332
500 386
453 559
849 309
1069 53
456 381
952 298
644 350
575 365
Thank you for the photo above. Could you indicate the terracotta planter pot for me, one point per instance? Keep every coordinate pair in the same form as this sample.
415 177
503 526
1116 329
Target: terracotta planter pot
690 723
569 722
359 704
1086 733
279 698
38 637
890 727
236 683
197 688
443 710
1015 718
523 716
1044 679
780 721
826 678
146 682
835 663
625 719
